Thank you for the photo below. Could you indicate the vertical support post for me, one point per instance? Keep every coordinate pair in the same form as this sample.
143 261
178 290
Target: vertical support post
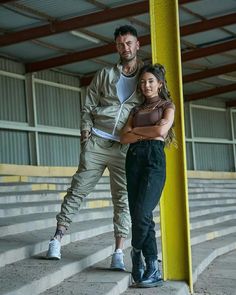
32 119
232 135
175 229
192 136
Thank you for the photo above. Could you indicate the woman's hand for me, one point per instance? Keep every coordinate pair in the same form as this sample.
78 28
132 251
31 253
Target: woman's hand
127 135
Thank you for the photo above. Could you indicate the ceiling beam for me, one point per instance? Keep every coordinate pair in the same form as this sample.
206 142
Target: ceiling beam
230 104
209 73
180 1
86 80
210 50
5 1
106 16
83 21
211 92
78 56
110 48
208 24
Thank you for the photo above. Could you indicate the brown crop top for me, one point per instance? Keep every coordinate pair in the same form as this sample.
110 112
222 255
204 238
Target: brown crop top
144 115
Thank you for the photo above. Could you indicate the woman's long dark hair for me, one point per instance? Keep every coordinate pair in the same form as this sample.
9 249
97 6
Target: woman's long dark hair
159 72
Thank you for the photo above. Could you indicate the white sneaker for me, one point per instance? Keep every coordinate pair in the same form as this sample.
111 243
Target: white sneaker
117 262
54 250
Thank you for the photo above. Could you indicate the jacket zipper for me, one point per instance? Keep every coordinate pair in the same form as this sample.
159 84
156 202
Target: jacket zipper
118 117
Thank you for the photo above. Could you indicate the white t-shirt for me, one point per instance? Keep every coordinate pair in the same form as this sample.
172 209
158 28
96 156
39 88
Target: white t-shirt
126 86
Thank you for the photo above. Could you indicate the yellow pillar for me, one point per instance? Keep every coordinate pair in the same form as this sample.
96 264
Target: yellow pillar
175 230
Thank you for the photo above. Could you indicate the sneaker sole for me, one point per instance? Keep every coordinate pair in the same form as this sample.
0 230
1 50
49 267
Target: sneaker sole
117 269
53 258
152 285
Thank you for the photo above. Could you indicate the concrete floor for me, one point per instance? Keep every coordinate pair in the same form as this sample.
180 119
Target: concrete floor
219 278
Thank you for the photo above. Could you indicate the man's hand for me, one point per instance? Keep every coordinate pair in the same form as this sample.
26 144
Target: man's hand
85 134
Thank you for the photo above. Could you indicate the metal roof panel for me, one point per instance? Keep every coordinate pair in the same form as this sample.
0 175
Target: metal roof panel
82 67
207 37
28 51
60 9
208 8
17 20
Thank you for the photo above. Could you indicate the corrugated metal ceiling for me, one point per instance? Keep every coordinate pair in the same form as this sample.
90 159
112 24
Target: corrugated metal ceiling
38 48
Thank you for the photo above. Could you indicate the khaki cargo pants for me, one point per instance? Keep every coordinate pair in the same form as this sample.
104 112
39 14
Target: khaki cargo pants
97 154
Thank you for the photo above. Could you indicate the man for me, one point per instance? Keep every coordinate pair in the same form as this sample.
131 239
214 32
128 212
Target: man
109 99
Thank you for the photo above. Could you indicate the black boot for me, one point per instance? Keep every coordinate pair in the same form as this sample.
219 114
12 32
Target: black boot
138 266
152 276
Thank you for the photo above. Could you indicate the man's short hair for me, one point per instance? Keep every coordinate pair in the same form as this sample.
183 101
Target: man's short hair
124 30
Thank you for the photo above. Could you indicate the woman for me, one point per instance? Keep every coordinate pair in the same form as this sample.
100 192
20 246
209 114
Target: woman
148 130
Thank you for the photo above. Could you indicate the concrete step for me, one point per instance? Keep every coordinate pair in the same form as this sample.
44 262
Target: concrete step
61 179
211 202
100 280
36 274
94 200
26 197
90 238
20 187
8 210
211 189
37 196
219 277
209 181
211 195
32 243
97 279
14 179
26 222
17 247
100 192
201 211
32 187
212 219
211 185
210 232
168 288
204 253
14 209
23 223
55 272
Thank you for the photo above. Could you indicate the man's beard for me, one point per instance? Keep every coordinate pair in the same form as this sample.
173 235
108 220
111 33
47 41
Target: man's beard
126 60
